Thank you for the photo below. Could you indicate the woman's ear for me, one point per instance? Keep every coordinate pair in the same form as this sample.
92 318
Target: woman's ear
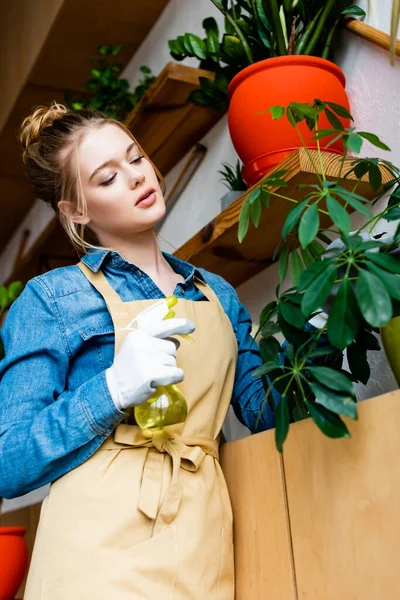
68 209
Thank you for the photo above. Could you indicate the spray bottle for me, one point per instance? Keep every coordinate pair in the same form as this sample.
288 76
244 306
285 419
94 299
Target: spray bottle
167 406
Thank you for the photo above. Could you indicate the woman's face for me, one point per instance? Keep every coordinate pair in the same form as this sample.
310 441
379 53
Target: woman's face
120 185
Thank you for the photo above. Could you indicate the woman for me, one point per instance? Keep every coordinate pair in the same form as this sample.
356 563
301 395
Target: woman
130 514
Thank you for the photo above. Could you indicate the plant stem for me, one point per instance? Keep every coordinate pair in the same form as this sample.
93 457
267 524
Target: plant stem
320 155
320 25
276 23
342 161
239 33
308 153
324 212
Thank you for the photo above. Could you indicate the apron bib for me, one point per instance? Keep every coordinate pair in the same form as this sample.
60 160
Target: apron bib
148 518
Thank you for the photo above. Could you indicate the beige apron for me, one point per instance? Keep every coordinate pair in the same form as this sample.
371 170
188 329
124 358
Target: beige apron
148 518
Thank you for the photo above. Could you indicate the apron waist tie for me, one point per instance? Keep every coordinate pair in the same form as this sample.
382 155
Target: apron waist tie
186 452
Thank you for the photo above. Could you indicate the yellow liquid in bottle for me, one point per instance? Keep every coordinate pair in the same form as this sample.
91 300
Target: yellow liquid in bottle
166 407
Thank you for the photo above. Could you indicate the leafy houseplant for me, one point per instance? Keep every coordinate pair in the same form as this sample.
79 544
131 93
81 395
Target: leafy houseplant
355 280
256 30
110 93
272 51
232 177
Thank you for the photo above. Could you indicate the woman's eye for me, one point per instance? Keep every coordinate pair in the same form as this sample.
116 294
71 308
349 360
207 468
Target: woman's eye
137 160
105 183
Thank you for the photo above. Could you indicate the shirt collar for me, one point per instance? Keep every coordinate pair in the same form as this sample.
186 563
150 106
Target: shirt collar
94 258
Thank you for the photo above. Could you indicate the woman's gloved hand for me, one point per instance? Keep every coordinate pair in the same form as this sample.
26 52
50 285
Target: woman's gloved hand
146 360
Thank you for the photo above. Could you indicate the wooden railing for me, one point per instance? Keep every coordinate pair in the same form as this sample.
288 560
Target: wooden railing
371 34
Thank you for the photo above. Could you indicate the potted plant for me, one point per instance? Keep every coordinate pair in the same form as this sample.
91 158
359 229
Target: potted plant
354 281
13 549
110 93
272 52
232 178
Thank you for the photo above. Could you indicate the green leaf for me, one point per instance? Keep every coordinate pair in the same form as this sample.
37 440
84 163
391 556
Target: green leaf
14 290
353 142
393 214
197 45
265 197
334 380
338 214
358 362
344 317
265 369
333 120
356 204
283 264
254 195
338 403
373 299
316 249
282 423
339 110
255 212
232 46
244 221
293 217
270 349
3 297
312 272
329 423
292 314
389 280
375 177
296 268
318 290
277 112
373 139
269 329
354 11
384 260
307 256
116 49
309 225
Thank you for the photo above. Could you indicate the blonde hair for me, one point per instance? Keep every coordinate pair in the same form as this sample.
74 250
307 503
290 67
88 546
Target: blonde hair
49 138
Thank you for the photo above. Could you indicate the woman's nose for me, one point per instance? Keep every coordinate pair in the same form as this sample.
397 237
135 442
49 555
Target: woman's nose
135 176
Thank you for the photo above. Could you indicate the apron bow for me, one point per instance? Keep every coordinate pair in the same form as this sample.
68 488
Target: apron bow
186 452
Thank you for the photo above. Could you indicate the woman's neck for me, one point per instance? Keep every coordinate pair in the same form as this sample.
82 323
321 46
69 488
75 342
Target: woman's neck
144 252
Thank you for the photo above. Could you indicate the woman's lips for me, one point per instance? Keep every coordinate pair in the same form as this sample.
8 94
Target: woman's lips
147 201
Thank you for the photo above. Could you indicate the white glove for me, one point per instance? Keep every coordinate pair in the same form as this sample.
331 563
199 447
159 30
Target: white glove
145 361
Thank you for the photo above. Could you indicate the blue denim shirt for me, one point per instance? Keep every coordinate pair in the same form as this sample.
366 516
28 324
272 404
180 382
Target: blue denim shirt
55 406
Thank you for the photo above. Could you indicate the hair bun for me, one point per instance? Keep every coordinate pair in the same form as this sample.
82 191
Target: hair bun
32 126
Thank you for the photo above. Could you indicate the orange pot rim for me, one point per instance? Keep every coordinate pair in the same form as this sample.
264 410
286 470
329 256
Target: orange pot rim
13 531
286 61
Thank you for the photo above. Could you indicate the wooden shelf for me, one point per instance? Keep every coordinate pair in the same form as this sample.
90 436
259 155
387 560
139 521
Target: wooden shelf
165 123
216 247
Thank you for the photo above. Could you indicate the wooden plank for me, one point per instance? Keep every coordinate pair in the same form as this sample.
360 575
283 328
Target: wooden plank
23 31
165 124
263 563
371 34
216 247
343 498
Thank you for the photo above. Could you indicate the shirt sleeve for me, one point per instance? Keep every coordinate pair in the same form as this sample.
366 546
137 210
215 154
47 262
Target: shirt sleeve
45 429
248 398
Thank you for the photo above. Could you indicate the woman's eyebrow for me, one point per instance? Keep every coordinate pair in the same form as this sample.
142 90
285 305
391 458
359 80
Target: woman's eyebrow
110 162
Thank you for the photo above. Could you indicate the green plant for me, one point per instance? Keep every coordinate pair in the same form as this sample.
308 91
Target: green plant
7 296
110 93
355 280
232 177
256 30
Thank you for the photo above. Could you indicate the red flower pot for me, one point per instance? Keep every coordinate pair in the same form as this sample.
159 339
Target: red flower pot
261 142
13 560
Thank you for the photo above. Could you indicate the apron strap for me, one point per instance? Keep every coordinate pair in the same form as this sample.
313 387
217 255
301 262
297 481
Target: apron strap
100 282
104 287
